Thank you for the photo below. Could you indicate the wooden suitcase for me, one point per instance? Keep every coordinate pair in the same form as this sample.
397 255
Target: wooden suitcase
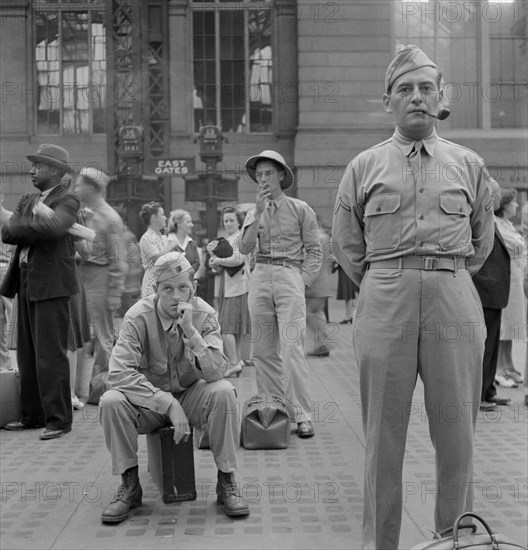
171 466
9 396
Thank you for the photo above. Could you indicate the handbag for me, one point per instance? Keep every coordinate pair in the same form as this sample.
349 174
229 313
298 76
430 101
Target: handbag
224 250
265 423
450 539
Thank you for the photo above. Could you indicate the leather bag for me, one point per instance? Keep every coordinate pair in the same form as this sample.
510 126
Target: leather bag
451 539
265 423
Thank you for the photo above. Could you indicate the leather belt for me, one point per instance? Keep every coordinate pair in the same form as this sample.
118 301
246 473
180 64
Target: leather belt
426 263
283 262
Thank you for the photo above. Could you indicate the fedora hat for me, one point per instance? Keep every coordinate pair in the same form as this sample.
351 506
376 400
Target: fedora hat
251 163
51 154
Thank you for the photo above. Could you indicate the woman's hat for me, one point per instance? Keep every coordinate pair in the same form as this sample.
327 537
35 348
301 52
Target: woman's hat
52 154
275 157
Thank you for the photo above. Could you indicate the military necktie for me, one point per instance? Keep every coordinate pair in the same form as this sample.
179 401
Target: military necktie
415 159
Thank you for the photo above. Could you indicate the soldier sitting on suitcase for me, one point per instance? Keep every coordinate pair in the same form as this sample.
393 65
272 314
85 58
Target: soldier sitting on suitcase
167 368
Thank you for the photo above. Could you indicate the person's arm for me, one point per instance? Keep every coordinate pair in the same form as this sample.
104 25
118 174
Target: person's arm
151 251
312 247
123 372
26 230
250 227
348 242
205 347
481 220
237 258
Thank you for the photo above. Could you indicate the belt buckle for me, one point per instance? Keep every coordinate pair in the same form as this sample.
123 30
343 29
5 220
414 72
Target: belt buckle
429 263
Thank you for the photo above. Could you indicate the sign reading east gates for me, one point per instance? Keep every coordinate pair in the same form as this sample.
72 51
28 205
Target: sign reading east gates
173 167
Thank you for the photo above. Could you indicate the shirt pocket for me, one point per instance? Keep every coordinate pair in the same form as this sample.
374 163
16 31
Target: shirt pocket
454 222
383 222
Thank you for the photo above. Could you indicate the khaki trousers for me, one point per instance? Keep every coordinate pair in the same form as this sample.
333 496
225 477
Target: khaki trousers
95 279
408 323
211 404
278 324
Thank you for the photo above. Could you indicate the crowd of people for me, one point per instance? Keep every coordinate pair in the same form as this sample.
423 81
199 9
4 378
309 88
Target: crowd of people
417 252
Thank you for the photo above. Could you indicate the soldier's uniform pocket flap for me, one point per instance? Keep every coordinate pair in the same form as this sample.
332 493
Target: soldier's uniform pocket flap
454 204
387 203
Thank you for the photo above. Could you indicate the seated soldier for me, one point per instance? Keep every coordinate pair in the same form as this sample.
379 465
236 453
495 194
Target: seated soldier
167 368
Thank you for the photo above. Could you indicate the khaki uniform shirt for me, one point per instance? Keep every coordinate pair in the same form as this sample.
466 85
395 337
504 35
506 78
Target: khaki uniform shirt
152 360
385 209
287 231
108 247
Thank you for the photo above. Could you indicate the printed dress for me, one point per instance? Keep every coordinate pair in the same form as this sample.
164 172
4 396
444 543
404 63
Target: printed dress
150 245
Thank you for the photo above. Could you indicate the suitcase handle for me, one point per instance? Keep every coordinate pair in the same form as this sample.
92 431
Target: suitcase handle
457 526
449 531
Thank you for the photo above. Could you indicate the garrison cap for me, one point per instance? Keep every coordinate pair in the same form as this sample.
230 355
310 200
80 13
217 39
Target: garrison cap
405 61
170 265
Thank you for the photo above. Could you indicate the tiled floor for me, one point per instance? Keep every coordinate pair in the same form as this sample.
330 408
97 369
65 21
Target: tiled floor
307 496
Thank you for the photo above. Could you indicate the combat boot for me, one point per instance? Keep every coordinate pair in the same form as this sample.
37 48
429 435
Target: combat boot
128 496
228 495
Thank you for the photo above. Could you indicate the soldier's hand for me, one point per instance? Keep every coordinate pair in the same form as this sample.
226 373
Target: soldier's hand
179 422
185 317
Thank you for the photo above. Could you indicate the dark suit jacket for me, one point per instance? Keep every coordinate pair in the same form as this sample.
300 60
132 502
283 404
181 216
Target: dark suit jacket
493 279
51 258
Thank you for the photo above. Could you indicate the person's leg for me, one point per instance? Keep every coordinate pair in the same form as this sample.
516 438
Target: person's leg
264 333
349 311
6 306
316 326
290 307
385 341
122 422
215 406
51 318
450 363
101 318
492 319
72 360
230 349
32 413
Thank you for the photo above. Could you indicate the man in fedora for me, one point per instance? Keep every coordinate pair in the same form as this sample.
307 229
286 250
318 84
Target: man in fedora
42 274
283 230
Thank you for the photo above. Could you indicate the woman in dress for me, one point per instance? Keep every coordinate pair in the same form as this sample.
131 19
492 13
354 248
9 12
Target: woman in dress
347 291
153 243
180 229
233 292
513 317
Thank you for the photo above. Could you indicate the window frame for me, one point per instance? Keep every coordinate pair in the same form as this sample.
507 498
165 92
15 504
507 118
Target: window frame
483 44
88 7
218 6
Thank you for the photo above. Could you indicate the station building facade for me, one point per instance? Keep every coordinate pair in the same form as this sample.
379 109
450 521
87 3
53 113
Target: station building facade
301 77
